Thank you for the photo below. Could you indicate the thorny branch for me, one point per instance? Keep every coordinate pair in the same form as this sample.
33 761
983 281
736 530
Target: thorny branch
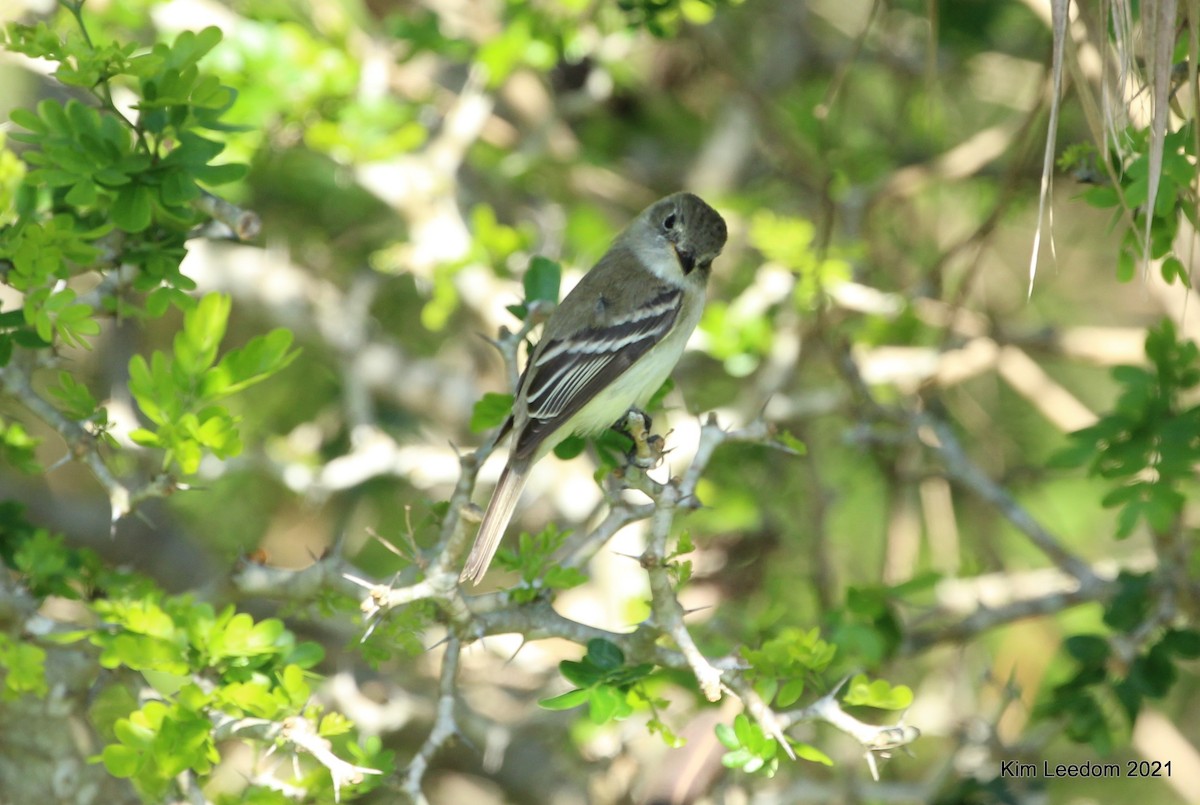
875 740
470 617
961 470
302 734
444 725
82 444
83 447
473 616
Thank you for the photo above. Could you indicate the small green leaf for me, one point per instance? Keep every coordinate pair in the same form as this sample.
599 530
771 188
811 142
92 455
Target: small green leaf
1183 643
565 701
791 443
1173 269
28 120
726 736
790 693
602 704
542 280
879 694
305 655
1088 649
580 674
121 761
178 188
1126 267
604 654
811 753
744 730
737 759
131 211
490 411
570 447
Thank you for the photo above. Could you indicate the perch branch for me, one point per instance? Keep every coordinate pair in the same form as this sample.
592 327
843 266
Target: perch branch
444 725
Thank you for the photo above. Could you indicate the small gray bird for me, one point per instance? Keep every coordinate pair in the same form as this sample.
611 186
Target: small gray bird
608 346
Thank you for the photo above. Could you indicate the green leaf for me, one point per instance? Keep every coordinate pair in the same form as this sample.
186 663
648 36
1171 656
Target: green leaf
791 443
121 761
563 578
737 759
203 328
131 211
580 674
178 188
790 693
1183 643
542 280
220 174
811 753
879 694
604 704
1126 265
604 654
24 667
570 447
1088 649
726 736
565 701
491 411
28 120
1173 269
293 684
306 654
261 357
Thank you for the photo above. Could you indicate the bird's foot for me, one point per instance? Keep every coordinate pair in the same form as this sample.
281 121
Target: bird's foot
648 448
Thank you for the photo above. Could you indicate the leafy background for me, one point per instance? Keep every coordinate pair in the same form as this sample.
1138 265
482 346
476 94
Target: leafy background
249 250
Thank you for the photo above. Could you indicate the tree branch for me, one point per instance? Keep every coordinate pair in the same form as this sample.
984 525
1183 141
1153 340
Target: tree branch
444 725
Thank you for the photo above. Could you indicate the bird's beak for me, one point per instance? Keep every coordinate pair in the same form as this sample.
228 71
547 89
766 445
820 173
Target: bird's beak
686 259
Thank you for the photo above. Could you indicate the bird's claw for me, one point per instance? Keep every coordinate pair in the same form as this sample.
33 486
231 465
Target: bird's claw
648 448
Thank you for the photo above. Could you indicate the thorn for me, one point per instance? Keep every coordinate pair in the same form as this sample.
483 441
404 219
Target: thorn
524 643
386 543
366 585
838 687
64 460
370 628
870 756
694 610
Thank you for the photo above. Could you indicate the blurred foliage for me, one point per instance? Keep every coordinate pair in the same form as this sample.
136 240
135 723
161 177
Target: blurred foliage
824 131
1149 443
206 668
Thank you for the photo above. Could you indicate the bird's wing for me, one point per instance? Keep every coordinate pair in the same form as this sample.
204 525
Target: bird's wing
567 372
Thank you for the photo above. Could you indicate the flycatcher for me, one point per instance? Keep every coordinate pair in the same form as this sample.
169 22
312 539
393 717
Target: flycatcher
608 346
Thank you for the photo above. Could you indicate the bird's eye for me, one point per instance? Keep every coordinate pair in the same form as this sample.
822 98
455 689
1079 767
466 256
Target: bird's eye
669 221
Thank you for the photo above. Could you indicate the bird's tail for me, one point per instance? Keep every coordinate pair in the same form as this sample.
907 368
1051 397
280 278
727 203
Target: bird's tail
495 521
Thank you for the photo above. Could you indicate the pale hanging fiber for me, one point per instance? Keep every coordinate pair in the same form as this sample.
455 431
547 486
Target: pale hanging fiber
1058 24
1162 46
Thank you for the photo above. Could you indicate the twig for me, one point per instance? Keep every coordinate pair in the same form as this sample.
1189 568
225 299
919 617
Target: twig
582 549
761 712
961 629
245 224
252 578
301 733
667 612
875 739
84 448
963 471
444 725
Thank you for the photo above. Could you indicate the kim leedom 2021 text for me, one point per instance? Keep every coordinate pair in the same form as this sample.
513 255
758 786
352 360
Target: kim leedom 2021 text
1130 768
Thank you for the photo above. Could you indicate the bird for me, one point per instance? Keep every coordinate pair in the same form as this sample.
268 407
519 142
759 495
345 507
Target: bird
607 347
